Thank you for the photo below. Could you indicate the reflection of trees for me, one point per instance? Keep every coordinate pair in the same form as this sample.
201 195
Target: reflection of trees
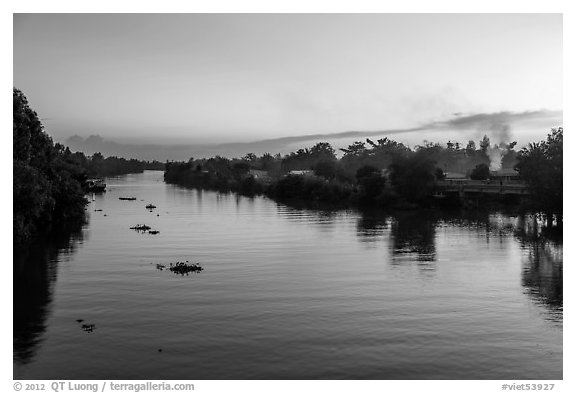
372 224
542 269
35 271
414 234
542 274
298 210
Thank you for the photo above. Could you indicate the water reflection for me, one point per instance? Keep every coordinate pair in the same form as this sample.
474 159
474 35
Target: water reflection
312 214
414 235
413 238
542 266
35 272
372 225
292 291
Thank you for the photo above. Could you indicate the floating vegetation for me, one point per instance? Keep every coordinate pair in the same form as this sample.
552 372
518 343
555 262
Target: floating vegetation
153 232
182 268
87 327
141 227
127 198
150 206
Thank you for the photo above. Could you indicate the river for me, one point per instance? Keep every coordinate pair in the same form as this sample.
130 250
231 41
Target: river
287 293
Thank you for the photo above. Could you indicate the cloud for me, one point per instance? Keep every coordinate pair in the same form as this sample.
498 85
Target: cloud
497 126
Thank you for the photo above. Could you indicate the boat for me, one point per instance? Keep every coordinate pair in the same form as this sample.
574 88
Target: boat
95 185
150 206
127 198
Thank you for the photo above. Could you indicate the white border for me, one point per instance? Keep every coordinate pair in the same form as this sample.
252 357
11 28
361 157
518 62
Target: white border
339 6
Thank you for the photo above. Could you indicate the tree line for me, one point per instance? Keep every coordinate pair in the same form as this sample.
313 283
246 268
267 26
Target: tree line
99 166
383 173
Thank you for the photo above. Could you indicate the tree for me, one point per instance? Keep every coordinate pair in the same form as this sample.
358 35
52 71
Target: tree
355 149
249 157
47 185
414 176
480 172
471 148
240 169
541 166
371 184
323 150
325 169
366 171
485 143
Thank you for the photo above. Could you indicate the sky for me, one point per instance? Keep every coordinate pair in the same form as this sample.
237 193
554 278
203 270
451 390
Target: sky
224 78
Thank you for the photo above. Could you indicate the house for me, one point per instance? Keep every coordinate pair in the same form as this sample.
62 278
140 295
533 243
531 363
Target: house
455 178
260 175
505 175
305 173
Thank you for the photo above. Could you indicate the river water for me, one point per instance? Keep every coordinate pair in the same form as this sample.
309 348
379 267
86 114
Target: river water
287 293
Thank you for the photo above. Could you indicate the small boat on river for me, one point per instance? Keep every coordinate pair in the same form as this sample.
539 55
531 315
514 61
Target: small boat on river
95 185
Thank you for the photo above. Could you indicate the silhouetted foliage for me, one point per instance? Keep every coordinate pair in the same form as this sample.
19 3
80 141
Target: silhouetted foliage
382 173
540 165
366 171
414 176
98 166
439 173
325 169
47 183
484 143
480 172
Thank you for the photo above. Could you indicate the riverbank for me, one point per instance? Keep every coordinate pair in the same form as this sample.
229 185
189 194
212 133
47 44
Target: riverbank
369 192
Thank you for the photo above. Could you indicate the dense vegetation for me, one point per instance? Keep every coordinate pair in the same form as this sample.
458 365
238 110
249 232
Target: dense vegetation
47 188
48 179
540 165
99 166
384 173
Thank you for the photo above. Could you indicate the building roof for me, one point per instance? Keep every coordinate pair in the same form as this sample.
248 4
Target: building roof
504 172
258 172
454 175
304 172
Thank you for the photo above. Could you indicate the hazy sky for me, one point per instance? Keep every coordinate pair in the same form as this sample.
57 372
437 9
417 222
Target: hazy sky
217 78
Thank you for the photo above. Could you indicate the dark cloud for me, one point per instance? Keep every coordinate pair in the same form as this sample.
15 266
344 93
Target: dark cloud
498 124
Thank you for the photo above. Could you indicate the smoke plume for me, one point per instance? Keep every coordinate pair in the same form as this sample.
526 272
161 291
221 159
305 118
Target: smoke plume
495 154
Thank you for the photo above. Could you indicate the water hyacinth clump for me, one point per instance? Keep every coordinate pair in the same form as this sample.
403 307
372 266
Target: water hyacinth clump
141 227
185 268
182 268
